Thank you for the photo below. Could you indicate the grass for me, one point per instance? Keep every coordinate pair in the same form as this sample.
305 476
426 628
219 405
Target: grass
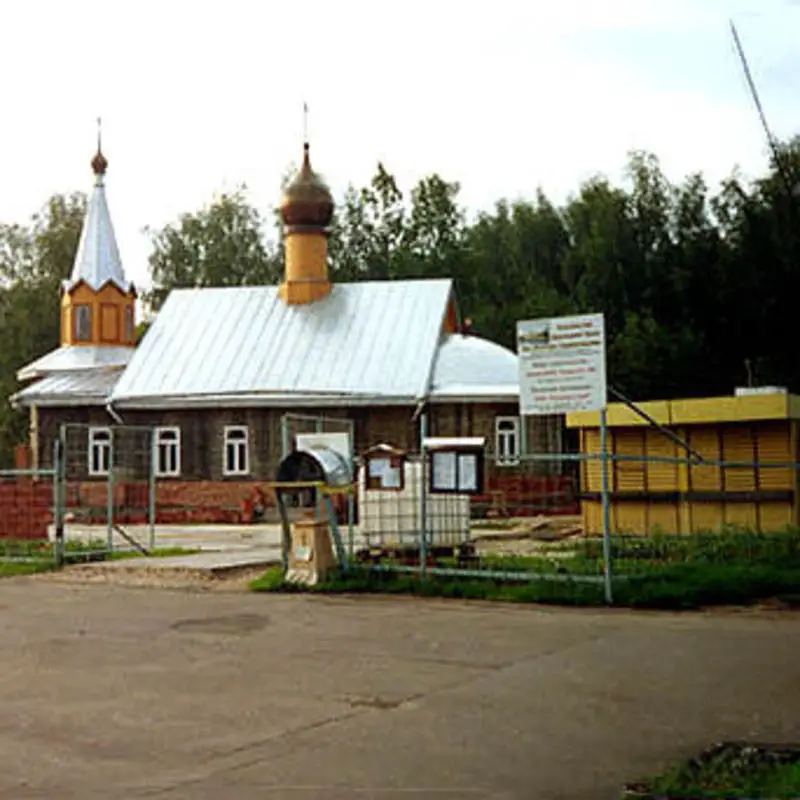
731 770
9 569
692 572
28 557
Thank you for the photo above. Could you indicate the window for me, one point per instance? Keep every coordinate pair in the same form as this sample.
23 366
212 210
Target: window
507 445
99 451
235 452
82 320
167 445
129 331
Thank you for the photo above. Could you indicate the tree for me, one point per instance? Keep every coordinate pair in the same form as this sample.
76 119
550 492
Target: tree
34 260
220 245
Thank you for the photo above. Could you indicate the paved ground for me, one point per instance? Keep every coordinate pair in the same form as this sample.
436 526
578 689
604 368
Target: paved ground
130 693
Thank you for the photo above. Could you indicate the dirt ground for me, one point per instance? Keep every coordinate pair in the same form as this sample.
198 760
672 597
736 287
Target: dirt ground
110 691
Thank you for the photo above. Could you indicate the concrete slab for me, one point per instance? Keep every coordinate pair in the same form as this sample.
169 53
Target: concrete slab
213 561
109 691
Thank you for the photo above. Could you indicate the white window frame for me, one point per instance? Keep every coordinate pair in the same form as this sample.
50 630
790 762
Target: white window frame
236 441
162 437
100 440
507 456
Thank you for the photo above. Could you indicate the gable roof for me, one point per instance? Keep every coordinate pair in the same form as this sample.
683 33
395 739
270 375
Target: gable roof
366 342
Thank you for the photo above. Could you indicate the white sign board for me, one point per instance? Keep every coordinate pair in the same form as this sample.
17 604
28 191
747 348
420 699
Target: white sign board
562 364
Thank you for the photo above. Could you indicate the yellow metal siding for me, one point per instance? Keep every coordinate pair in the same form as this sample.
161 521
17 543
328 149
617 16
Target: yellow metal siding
630 517
661 476
775 446
629 476
593 469
738 445
705 478
663 517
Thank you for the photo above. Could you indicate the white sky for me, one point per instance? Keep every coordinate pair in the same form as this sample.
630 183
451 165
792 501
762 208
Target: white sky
502 97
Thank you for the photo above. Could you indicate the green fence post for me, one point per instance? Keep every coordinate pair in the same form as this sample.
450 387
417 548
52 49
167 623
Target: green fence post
151 490
58 503
606 506
423 499
110 493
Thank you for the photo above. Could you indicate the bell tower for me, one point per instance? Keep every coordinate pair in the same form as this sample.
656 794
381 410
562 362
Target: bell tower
98 304
306 210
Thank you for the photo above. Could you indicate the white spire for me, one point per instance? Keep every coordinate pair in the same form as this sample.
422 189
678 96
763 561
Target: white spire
97 261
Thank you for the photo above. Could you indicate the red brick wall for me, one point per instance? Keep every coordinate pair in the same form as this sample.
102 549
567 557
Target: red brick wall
177 502
26 508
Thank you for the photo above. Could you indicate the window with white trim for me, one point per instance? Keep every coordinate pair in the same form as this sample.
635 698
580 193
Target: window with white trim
167 451
236 451
507 440
99 451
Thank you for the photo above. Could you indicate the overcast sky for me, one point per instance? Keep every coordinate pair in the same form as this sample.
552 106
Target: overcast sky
500 96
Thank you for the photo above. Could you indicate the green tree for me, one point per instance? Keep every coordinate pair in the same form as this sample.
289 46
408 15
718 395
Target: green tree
222 244
34 260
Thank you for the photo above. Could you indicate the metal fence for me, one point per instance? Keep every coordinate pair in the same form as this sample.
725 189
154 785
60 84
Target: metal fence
107 489
596 523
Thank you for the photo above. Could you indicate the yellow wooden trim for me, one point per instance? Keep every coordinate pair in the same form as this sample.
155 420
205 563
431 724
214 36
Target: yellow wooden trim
695 411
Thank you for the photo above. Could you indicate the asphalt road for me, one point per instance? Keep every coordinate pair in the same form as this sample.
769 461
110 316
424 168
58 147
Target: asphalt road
115 692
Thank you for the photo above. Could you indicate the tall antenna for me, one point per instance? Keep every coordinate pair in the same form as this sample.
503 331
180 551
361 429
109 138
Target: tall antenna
99 134
757 102
305 122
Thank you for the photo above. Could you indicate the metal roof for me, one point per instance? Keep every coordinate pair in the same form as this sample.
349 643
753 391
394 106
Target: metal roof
76 358
365 342
470 368
69 389
97 260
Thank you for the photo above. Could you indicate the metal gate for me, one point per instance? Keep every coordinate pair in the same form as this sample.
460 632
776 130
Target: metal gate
106 497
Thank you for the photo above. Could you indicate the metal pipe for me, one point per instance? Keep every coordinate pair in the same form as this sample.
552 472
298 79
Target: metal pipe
606 506
495 574
58 504
151 492
645 416
423 497
112 412
110 496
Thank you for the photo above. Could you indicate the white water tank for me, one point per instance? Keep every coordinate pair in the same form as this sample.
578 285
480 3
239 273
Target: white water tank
391 518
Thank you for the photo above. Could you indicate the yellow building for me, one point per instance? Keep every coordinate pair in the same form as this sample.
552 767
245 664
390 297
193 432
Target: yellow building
655 484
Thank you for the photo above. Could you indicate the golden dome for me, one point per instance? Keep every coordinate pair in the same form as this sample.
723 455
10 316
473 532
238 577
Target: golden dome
307 201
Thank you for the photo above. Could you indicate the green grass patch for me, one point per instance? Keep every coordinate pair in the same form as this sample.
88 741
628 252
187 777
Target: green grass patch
675 587
730 771
24 557
364 581
10 569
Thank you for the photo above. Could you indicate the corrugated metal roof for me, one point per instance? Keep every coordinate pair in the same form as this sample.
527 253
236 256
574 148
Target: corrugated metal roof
76 358
97 260
364 341
69 388
470 368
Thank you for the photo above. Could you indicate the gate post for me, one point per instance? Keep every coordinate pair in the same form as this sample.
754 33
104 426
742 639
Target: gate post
58 500
110 493
151 489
